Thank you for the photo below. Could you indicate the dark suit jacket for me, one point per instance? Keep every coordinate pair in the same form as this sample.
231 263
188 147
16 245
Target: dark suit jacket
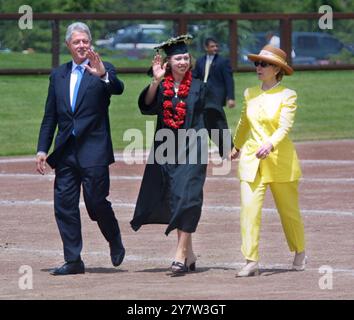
90 118
220 80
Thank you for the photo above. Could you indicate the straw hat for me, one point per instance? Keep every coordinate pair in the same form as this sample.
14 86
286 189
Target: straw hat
274 56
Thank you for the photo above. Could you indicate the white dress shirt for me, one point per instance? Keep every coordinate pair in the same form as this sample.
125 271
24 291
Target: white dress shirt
73 77
208 61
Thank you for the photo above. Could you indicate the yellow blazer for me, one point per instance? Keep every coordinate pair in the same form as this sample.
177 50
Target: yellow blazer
267 116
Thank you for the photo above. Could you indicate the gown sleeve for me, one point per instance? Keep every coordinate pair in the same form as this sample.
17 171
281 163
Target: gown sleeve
153 108
216 124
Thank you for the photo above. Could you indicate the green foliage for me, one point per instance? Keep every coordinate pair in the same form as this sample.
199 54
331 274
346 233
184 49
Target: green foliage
345 56
60 5
292 6
39 38
202 6
177 6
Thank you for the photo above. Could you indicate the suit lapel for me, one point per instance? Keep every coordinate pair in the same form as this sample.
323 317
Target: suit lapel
203 65
214 62
66 85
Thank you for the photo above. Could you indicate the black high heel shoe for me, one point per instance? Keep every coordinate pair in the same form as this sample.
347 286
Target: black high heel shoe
179 267
192 266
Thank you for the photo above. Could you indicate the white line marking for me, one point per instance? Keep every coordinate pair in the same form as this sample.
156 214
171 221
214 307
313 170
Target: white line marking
312 180
326 162
17 160
142 157
138 178
214 209
274 211
27 175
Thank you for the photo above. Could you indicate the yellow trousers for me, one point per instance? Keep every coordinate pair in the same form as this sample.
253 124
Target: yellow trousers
286 198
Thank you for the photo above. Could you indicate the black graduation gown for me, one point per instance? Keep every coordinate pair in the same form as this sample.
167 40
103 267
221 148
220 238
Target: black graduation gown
172 193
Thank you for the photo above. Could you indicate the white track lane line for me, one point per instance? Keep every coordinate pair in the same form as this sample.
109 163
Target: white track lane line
210 209
119 157
135 177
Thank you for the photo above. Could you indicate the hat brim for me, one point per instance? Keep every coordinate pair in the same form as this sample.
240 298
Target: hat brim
256 57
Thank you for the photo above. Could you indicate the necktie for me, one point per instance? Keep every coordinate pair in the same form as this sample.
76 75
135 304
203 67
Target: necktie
79 72
207 68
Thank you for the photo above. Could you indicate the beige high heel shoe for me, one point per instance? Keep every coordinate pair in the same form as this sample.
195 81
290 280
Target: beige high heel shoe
249 270
300 260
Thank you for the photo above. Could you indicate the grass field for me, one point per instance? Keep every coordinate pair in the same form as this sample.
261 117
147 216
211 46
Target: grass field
18 60
325 108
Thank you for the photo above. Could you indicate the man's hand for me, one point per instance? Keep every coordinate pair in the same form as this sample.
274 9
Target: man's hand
231 103
96 66
41 162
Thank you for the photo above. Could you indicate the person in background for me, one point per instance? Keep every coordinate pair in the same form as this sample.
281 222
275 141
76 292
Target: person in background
216 71
77 106
273 39
268 158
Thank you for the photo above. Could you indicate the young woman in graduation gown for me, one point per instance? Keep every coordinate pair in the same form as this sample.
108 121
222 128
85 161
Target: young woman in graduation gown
171 191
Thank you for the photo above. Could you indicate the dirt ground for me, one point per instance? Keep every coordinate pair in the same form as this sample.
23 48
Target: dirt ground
30 242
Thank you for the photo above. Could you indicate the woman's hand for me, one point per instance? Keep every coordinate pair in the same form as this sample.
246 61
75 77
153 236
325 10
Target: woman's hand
264 150
158 68
234 153
158 71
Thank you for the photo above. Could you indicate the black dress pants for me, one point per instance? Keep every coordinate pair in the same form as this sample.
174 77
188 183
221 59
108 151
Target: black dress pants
69 177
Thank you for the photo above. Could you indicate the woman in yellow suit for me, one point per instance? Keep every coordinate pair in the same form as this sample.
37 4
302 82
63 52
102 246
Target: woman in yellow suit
268 158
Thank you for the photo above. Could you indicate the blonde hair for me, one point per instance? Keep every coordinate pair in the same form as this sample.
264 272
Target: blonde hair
279 76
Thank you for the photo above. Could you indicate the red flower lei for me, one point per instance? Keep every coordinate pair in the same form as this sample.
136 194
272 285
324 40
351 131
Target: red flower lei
175 118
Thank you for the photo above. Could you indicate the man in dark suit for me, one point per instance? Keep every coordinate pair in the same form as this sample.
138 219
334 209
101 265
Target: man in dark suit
77 104
216 71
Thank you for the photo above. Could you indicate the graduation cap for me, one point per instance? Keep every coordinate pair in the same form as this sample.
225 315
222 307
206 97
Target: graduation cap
176 45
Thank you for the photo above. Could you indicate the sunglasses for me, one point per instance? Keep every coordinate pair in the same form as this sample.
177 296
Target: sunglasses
262 64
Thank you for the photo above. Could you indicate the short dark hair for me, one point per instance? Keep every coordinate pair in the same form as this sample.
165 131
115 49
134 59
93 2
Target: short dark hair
208 40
